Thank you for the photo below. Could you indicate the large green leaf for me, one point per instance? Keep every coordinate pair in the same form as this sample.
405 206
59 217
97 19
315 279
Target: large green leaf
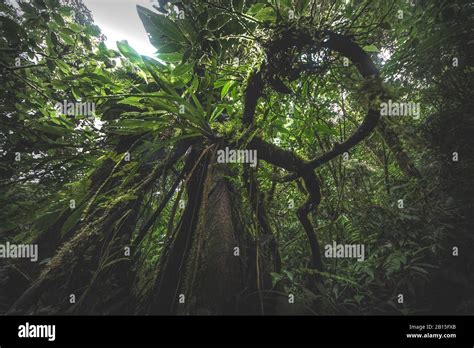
129 52
370 48
160 28
226 88
133 101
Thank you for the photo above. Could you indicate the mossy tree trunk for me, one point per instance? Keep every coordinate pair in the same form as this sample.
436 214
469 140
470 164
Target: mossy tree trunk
212 266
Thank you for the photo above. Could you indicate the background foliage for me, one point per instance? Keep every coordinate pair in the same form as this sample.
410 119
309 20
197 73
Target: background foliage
205 54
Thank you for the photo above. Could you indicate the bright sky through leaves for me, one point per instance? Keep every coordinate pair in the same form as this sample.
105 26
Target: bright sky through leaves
118 20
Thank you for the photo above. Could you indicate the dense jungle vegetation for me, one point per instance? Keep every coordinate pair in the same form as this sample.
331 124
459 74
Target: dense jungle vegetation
132 212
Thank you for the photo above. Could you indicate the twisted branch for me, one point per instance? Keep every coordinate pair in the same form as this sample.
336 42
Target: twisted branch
289 160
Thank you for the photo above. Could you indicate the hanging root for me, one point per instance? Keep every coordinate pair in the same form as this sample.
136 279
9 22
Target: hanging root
312 202
149 223
176 251
292 162
257 202
63 273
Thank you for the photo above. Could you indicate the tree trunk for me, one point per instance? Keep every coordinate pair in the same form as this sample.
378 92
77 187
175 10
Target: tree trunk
211 266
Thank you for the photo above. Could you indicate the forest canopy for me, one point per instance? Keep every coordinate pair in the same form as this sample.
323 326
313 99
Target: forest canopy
273 157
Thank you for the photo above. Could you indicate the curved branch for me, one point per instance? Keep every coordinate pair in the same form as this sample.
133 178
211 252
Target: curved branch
253 92
292 162
346 47
277 156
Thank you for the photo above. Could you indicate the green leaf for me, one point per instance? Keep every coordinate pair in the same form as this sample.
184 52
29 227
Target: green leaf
62 66
76 93
77 28
159 27
66 11
169 48
170 57
138 123
256 8
226 88
370 48
217 111
218 21
187 29
276 277
129 52
73 219
54 130
266 14
197 103
164 85
286 3
132 101
324 129
67 36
